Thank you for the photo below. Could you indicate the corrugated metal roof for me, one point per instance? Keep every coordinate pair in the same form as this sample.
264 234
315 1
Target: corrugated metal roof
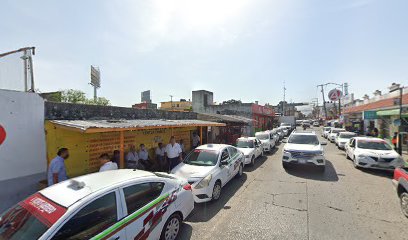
118 125
224 118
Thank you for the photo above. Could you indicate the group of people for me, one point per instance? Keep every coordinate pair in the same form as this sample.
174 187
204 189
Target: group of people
167 157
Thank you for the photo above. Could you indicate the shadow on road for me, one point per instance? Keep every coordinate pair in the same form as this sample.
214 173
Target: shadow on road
203 212
378 172
311 172
260 161
186 231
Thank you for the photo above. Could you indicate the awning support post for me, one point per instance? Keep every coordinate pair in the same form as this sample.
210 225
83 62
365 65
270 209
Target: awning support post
122 150
201 135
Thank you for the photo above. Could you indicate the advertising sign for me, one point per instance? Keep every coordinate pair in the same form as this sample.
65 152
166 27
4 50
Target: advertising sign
335 94
95 77
370 115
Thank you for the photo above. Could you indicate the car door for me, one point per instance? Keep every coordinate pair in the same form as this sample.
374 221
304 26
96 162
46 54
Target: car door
258 148
235 161
351 148
225 166
145 209
94 219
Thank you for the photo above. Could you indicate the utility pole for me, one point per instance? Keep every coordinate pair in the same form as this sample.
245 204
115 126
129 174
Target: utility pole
171 101
284 99
324 101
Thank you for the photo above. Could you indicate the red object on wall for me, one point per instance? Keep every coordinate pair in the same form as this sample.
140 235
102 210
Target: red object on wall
2 134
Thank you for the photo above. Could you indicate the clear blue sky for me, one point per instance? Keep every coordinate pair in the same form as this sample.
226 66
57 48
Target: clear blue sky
238 49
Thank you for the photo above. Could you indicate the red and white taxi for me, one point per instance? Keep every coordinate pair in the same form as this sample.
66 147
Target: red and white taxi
119 204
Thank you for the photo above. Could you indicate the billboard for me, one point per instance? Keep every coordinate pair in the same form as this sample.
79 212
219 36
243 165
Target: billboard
95 77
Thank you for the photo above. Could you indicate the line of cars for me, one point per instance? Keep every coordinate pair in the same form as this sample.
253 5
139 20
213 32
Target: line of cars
133 204
375 153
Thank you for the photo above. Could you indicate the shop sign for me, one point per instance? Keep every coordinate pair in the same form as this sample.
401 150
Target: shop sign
370 115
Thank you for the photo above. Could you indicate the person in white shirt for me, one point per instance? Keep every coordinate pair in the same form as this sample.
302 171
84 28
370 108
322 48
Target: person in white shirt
173 153
106 163
144 158
160 150
132 159
196 140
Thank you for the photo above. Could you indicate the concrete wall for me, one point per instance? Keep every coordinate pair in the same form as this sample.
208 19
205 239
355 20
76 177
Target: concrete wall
69 111
22 153
199 98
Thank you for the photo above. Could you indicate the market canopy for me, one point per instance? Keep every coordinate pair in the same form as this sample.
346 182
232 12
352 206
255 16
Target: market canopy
390 112
94 126
224 118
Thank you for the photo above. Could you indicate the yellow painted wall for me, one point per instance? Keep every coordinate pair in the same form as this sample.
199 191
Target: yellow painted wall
181 105
85 148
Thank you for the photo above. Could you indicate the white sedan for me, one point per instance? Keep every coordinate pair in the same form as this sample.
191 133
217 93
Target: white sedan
367 152
208 168
334 133
251 147
118 204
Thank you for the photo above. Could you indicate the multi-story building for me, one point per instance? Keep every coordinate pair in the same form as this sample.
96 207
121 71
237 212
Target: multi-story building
177 106
262 116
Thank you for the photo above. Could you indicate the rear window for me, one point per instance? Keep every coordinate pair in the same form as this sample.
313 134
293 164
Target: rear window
30 219
262 136
245 143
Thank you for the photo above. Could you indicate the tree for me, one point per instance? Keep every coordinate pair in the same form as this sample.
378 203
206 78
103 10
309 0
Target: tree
77 96
73 96
232 101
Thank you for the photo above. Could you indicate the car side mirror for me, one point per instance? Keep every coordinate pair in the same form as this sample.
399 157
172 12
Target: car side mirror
323 143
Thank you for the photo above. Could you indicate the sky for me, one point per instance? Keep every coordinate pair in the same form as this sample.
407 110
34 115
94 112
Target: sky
239 49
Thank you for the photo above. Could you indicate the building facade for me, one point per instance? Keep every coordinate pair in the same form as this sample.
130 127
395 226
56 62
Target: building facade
176 106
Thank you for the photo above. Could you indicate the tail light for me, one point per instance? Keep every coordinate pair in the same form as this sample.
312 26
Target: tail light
187 187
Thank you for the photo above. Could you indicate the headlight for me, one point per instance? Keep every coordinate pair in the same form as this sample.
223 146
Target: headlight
362 156
204 182
320 153
286 152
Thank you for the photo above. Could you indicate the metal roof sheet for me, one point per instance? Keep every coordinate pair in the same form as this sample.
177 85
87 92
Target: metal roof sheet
119 125
223 118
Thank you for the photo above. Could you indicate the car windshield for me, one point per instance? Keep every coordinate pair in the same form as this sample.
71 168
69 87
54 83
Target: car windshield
347 135
303 139
337 130
326 129
262 136
202 157
373 145
285 124
245 144
29 219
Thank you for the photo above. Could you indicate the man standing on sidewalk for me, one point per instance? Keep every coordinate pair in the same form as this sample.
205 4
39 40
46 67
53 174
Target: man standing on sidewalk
57 171
196 140
173 153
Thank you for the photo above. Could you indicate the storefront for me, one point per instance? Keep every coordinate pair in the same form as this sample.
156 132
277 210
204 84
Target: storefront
263 117
88 139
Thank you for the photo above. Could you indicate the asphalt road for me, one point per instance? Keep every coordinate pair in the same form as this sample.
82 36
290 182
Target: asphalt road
268 202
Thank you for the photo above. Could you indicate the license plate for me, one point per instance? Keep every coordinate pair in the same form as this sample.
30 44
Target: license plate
302 161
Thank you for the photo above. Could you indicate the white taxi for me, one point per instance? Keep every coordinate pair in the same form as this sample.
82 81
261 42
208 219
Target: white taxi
369 152
208 168
251 147
119 204
268 143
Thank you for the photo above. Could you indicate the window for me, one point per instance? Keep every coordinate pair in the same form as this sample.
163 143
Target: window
202 157
139 195
233 151
90 220
224 155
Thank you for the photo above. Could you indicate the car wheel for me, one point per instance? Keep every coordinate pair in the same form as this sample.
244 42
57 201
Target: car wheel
253 160
285 165
404 203
347 156
216 191
172 228
240 171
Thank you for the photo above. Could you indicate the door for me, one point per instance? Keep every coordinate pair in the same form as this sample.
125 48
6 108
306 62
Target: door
234 158
94 219
225 168
351 148
145 210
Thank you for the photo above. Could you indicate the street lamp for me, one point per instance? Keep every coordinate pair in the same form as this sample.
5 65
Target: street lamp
395 87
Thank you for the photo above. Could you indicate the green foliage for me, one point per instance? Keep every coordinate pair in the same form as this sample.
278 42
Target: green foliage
77 96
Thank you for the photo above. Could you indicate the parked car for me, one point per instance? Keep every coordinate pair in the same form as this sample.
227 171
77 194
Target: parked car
118 204
333 134
280 133
343 138
208 168
267 142
251 147
316 124
274 135
400 182
326 131
303 148
368 152
299 122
